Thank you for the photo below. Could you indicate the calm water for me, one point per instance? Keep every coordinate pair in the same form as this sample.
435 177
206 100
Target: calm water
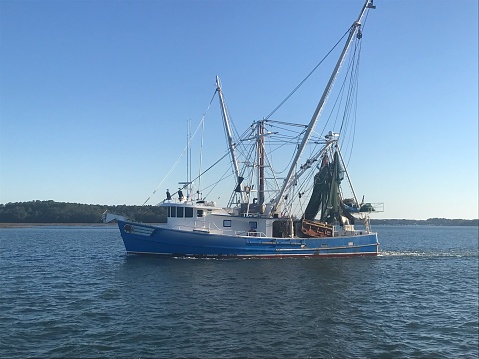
73 292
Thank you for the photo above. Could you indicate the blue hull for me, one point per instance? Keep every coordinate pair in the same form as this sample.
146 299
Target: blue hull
146 239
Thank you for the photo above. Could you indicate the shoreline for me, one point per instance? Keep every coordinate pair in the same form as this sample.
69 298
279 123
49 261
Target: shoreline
107 225
28 225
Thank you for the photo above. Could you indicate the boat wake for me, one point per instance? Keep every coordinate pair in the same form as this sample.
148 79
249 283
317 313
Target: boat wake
428 254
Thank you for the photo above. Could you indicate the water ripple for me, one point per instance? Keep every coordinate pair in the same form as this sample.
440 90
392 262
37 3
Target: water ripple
74 293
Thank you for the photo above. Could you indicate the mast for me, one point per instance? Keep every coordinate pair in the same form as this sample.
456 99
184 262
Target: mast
260 154
187 184
231 144
188 159
353 30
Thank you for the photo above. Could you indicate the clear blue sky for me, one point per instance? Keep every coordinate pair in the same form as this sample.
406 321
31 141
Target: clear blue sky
95 95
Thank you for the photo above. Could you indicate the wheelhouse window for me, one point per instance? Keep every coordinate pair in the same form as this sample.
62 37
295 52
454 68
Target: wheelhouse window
188 212
253 225
227 223
199 213
179 212
171 211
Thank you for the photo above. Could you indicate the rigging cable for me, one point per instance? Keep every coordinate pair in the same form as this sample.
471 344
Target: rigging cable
356 90
353 116
351 101
308 76
182 153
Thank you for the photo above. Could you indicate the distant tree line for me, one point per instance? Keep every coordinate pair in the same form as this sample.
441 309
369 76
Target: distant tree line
60 212
428 222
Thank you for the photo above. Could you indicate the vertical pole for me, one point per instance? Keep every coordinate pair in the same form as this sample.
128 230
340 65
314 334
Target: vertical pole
260 154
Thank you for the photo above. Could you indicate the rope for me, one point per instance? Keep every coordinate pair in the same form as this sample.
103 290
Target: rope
182 153
308 76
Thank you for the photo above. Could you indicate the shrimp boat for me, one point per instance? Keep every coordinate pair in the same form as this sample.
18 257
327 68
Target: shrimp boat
269 214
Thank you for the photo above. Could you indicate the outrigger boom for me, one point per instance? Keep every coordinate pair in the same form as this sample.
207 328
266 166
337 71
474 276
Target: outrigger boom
355 28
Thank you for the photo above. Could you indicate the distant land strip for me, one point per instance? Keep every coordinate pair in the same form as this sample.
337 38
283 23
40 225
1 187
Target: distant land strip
27 225
51 212
426 222
62 213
